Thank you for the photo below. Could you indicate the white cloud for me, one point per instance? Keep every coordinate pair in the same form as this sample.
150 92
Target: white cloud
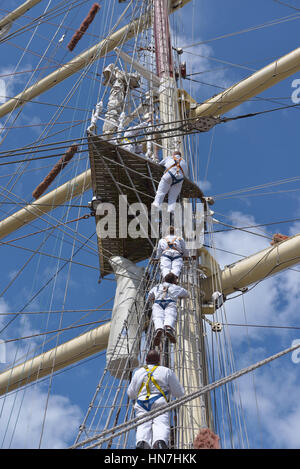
22 412
204 185
2 91
270 404
23 415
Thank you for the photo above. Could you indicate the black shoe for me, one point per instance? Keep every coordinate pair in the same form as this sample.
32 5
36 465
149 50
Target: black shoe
170 334
142 445
157 337
160 444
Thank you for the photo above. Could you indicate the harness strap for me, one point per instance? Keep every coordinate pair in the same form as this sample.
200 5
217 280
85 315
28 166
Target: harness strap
174 179
148 404
150 377
177 164
171 258
125 139
164 303
171 245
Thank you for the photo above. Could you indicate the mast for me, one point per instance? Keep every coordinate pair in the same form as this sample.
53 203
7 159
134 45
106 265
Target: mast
190 346
165 71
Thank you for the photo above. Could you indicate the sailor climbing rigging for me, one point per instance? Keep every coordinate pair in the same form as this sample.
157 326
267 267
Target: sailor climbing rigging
172 180
151 386
170 251
164 309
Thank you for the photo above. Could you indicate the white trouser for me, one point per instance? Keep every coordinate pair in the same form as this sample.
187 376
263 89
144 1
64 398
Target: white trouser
155 429
164 317
172 263
129 147
165 187
134 148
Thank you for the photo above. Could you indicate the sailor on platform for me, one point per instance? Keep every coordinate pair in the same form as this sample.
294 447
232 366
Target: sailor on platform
151 386
172 180
130 141
171 250
164 309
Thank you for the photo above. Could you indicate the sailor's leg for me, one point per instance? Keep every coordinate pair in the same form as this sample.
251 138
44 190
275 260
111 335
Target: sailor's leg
173 195
162 190
177 266
161 425
143 431
170 315
165 266
158 315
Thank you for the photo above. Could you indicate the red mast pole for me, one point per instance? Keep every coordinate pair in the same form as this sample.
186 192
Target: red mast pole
163 50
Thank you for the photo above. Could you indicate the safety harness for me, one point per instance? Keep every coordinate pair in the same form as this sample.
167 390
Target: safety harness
172 245
162 302
178 168
148 402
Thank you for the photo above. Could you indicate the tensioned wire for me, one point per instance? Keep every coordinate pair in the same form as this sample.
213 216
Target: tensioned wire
59 9
227 365
250 351
281 20
37 347
287 5
19 112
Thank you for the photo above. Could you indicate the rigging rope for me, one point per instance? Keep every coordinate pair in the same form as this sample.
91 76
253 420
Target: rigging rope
126 426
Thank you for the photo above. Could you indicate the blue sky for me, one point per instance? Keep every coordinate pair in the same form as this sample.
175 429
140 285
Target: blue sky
234 156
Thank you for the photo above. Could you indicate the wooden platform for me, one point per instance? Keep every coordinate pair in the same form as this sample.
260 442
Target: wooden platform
116 172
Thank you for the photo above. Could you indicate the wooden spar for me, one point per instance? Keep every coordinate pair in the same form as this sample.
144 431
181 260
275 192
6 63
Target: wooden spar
13 15
239 275
63 355
82 60
254 268
249 87
46 203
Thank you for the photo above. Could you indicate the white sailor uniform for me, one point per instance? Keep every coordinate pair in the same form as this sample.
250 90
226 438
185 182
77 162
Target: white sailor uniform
164 309
131 142
171 182
171 251
151 386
